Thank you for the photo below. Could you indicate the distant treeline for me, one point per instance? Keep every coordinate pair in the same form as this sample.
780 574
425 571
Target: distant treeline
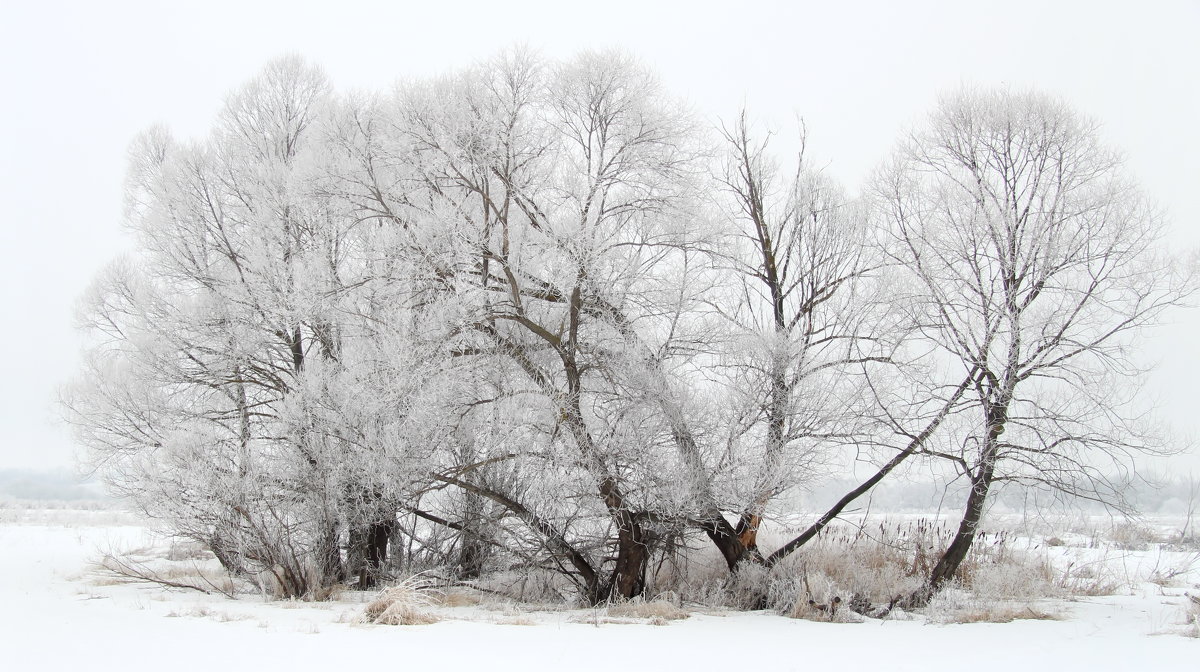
1151 496
43 485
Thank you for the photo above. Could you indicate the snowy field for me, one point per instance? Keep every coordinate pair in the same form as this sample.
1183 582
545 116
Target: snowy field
60 611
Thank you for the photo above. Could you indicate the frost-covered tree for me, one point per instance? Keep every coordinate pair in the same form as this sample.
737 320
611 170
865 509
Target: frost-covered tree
562 192
533 311
1034 261
241 328
808 323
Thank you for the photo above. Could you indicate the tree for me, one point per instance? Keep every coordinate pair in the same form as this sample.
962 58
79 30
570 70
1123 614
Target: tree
527 306
224 390
807 306
1033 264
818 353
549 202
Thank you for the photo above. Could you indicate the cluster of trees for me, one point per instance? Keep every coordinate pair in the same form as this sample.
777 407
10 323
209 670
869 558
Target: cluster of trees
544 311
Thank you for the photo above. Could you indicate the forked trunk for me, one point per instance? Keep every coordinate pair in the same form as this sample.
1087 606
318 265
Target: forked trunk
747 537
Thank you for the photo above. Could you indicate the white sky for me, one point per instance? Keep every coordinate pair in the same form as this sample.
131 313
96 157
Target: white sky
80 79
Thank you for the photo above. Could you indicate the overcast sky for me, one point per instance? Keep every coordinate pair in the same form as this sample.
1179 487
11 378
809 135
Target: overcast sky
82 78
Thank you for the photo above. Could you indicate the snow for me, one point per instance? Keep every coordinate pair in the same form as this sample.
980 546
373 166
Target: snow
59 614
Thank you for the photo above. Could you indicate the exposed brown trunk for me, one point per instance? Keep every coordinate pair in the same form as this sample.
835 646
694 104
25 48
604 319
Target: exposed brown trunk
981 483
633 555
727 540
947 566
747 536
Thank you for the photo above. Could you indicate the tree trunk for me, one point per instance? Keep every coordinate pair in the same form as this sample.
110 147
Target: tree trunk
727 540
368 551
226 553
328 559
981 483
947 566
747 537
473 546
633 556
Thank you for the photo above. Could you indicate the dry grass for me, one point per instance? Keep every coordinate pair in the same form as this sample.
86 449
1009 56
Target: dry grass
834 611
1090 579
869 570
866 569
996 613
634 612
458 598
515 620
1131 536
661 610
955 606
406 603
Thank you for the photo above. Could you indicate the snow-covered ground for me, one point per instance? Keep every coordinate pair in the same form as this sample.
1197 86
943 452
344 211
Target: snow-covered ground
58 613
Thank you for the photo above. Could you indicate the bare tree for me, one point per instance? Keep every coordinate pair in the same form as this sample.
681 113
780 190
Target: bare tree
1034 264
807 318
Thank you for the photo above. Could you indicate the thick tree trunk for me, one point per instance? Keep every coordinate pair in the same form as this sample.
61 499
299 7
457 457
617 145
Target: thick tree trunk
727 540
226 553
950 561
628 579
633 555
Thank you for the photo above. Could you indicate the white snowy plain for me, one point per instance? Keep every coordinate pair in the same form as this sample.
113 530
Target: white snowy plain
57 615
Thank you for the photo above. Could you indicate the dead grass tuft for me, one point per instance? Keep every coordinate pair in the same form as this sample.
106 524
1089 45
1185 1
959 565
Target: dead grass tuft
515 620
458 598
956 606
654 609
998 613
406 603
1131 536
